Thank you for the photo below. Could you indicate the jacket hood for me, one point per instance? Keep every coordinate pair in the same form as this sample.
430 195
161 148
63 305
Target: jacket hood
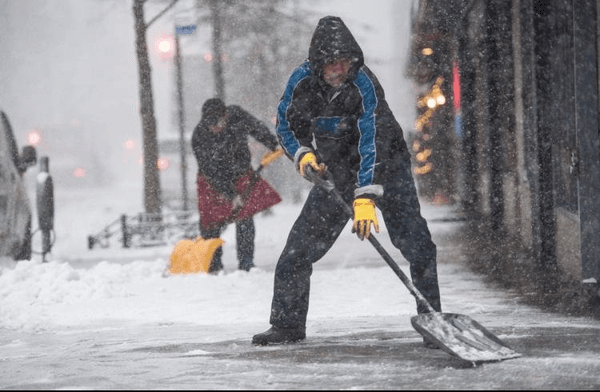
331 40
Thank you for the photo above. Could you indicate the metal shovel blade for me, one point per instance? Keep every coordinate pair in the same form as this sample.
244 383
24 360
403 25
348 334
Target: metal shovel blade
461 336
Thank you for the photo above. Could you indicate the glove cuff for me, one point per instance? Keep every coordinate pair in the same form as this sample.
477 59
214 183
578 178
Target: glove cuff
369 191
363 201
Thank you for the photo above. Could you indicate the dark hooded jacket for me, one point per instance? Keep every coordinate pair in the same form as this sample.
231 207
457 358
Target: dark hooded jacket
352 127
224 157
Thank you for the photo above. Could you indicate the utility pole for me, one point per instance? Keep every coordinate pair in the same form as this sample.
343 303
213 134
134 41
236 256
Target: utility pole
182 150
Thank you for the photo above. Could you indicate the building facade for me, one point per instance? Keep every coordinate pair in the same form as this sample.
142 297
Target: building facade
521 131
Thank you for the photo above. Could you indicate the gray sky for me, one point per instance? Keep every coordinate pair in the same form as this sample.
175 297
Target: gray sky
71 65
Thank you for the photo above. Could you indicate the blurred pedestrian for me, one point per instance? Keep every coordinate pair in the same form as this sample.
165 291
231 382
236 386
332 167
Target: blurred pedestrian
220 144
333 117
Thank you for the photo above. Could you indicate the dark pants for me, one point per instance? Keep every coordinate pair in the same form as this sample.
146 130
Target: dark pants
320 223
244 237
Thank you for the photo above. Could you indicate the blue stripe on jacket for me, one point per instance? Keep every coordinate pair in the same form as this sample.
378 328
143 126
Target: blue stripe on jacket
367 129
288 140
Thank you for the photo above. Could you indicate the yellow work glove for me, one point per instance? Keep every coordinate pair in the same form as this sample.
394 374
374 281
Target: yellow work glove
364 217
309 159
270 156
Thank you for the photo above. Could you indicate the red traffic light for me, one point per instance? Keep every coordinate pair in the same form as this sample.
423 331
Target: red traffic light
34 137
165 46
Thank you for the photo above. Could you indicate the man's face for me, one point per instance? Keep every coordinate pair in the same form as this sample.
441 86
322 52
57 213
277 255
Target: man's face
218 127
336 72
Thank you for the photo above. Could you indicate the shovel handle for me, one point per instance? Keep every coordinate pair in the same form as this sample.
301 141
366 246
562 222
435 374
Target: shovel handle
328 185
407 282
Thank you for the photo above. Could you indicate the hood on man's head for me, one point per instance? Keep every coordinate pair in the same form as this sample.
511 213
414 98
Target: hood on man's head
212 110
333 40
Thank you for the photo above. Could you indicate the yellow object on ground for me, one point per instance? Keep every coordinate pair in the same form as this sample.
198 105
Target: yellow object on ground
193 256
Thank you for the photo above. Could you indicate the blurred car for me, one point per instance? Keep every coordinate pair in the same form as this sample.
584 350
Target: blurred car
15 206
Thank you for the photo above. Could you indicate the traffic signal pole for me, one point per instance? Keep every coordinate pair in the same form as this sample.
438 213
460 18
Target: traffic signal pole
179 30
184 193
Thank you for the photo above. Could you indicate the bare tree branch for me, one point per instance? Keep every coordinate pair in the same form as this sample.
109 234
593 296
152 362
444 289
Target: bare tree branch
161 13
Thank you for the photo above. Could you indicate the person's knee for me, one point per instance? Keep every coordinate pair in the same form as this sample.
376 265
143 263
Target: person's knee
292 262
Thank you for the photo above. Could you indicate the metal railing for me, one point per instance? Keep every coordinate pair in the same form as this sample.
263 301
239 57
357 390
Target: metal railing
145 229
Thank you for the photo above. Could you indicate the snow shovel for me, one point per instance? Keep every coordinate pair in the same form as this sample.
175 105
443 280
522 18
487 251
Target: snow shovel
237 211
456 334
191 256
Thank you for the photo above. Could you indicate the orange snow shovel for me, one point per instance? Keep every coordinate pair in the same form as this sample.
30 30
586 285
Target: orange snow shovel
191 256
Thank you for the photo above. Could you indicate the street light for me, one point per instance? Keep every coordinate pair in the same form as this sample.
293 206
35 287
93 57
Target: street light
165 47
179 30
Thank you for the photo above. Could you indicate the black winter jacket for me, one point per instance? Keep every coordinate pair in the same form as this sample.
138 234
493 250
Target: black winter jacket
351 128
224 157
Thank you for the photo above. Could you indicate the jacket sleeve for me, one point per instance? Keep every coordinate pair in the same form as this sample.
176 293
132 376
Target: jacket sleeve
257 129
197 148
293 116
367 126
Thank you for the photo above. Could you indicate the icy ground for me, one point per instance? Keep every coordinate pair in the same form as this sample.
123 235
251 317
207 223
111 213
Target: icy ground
109 318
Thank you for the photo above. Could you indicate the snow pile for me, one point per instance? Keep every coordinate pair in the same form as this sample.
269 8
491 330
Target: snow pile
42 296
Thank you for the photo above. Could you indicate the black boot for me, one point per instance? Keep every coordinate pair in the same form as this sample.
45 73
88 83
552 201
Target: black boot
275 335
